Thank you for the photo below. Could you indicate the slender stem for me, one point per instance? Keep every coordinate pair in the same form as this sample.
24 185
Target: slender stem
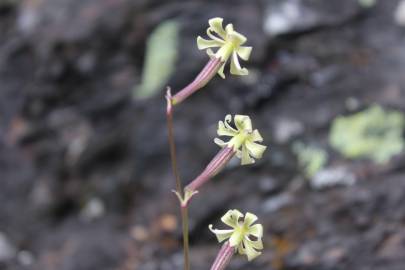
186 247
206 74
173 157
169 116
216 164
224 257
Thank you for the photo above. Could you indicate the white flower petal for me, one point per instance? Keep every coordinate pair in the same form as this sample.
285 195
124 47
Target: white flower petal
214 37
257 244
256 230
249 219
246 159
220 142
229 29
255 136
235 239
244 52
227 121
205 43
236 37
224 131
216 25
210 53
255 150
243 123
251 253
221 71
231 218
221 234
235 66
241 250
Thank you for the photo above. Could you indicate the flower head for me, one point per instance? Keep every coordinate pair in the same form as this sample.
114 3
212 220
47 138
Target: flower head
243 138
240 234
229 42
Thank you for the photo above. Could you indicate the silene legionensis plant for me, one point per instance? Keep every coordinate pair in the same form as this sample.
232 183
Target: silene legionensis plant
243 236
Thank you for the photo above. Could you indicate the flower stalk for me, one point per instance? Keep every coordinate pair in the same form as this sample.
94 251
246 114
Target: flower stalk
224 257
208 72
172 145
230 47
216 164
173 157
244 236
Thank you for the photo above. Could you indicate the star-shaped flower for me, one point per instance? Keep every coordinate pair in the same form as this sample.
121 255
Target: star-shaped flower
229 42
243 138
240 234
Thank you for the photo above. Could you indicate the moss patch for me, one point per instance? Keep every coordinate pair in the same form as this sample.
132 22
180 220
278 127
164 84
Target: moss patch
312 159
374 133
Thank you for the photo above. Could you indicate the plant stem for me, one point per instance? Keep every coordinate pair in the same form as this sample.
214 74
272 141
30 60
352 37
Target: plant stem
209 71
216 164
224 257
173 157
169 116
186 248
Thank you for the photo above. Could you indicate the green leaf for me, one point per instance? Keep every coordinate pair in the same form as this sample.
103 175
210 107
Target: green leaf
160 59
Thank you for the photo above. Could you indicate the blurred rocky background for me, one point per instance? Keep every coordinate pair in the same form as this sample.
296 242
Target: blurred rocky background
84 162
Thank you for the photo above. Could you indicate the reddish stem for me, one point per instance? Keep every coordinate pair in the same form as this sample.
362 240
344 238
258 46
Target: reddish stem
209 71
224 257
216 164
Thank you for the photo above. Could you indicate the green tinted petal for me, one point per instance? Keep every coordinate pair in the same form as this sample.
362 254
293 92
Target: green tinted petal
221 234
231 218
255 150
221 71
235 239
246 159
257 244
229 29
255 136
210 53
235 66
244 52
256 230
236 37
238 153
220 142
243 122
251 252
214 37
228 119
241 250
205 43
216 25
224 131
249 219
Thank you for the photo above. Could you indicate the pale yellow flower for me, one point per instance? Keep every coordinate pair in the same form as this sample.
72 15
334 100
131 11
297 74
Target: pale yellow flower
229 42
243 138
240 236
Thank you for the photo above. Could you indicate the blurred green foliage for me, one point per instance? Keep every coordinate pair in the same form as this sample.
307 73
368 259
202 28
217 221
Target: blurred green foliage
312 159
160 59
373 133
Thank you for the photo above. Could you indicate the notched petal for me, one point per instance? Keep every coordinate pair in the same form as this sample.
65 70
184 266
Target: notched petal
246 159
236 69
243 123
203 44
244 52
249 219
216 25
255 150
256 230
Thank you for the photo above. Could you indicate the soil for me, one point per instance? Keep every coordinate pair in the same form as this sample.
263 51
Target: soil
85 170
